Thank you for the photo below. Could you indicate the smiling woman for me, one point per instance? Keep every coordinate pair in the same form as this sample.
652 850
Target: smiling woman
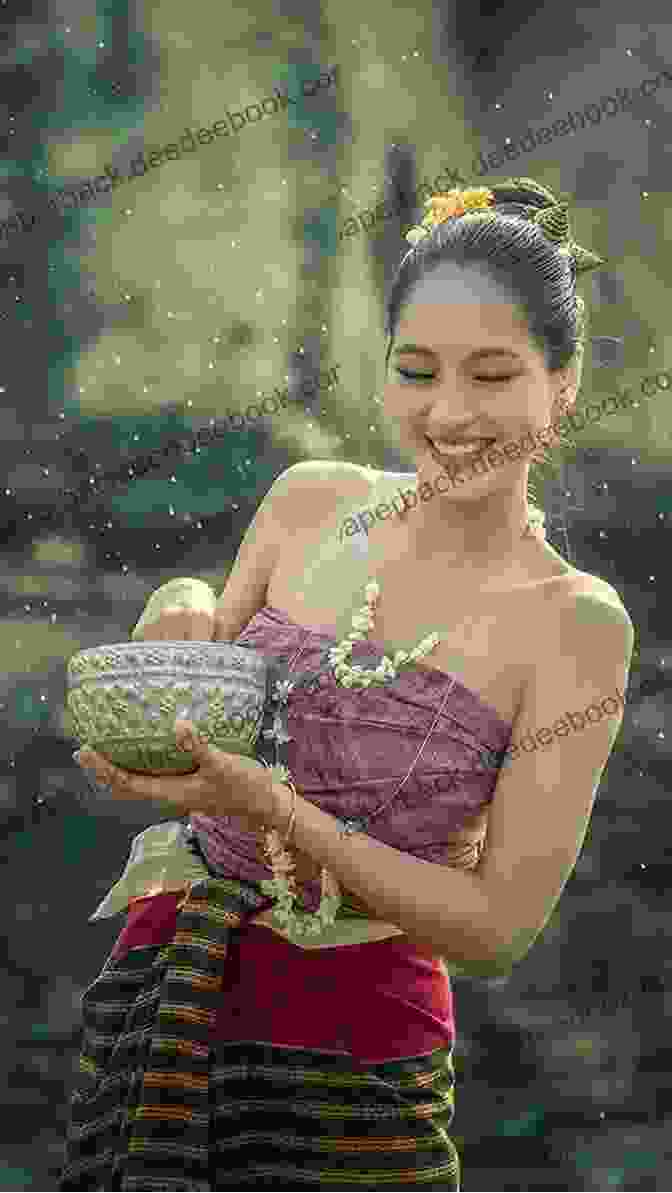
236 1052
490 456
511 242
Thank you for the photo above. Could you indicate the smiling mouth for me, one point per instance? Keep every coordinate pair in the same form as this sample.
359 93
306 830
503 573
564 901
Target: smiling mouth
458 451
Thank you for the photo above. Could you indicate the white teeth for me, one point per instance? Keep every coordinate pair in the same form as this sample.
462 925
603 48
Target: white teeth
459 449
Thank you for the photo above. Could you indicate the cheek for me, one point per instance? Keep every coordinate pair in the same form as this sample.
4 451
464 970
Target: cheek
398 401
525 403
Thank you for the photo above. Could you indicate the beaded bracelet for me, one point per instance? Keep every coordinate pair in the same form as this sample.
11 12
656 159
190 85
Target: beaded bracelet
281 775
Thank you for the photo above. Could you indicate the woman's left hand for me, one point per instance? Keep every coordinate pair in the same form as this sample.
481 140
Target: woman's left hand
223 785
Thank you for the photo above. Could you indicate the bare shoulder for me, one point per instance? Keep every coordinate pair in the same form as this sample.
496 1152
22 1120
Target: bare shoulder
315 488
586 589
586 619
589 602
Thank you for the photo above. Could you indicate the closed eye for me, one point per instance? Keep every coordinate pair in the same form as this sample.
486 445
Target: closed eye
410 375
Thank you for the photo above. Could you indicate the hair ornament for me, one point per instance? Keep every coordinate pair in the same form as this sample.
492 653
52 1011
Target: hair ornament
554 223
553 220
445 206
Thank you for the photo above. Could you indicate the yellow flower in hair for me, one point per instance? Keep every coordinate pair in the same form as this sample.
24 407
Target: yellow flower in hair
445 206
442 207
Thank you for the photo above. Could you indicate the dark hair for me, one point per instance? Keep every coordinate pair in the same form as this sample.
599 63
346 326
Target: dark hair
538 274
535 266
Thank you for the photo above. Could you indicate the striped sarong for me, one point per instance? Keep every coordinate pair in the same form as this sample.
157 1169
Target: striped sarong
160 1103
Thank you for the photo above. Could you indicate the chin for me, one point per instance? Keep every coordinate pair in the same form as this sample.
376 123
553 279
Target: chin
467 488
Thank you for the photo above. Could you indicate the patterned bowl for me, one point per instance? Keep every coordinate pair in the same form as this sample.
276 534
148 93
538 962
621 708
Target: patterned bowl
123 701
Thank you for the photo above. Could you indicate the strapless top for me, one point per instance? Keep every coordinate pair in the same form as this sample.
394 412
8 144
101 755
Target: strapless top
349 751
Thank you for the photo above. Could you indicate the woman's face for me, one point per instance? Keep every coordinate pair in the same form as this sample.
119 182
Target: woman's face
463 367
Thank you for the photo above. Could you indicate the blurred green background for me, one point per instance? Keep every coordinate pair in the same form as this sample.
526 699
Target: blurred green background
199 288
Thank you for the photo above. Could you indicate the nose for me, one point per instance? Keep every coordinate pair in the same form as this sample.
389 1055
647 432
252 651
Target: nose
443 418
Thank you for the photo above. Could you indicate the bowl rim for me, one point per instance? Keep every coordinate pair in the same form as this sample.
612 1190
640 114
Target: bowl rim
187 642
257 659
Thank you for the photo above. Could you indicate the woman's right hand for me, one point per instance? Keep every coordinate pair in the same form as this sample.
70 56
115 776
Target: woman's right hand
182 610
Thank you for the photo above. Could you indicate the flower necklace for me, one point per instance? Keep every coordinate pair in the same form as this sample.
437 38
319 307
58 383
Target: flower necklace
283 884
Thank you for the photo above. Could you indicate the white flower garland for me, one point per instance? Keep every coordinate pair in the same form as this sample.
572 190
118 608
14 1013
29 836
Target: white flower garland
362 622
283 885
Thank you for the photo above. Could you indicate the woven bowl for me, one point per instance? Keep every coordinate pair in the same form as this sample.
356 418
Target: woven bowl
123 700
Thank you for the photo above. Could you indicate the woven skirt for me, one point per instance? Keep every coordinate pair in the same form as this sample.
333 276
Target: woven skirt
160 1103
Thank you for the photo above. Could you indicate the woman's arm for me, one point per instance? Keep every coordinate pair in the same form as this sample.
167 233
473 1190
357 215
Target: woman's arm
489 917
279 517
302 497
299 499
244 593
443 911
245 590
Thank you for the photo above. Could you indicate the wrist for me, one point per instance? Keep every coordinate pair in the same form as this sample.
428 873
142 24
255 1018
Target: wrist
280 808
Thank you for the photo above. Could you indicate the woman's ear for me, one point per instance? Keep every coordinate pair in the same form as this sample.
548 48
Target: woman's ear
565 387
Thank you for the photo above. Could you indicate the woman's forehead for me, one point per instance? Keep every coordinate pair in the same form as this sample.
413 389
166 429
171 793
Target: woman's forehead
452 283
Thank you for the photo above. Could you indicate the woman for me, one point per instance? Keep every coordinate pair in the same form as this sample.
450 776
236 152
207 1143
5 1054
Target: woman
226 1047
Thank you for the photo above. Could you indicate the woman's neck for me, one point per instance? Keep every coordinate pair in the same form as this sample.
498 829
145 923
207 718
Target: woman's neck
480 538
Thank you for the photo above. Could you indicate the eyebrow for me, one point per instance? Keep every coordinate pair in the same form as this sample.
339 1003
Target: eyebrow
479 354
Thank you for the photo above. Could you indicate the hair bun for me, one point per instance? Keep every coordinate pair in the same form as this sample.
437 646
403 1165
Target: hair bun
528 198
520 232
523 193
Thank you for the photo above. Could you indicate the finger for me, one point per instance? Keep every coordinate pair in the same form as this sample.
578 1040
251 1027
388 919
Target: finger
98 768
199 627
207 756
87 759
121 782
180 625
188 738
220 632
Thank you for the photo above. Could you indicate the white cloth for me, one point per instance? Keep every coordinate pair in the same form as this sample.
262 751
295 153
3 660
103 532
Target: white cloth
160 860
